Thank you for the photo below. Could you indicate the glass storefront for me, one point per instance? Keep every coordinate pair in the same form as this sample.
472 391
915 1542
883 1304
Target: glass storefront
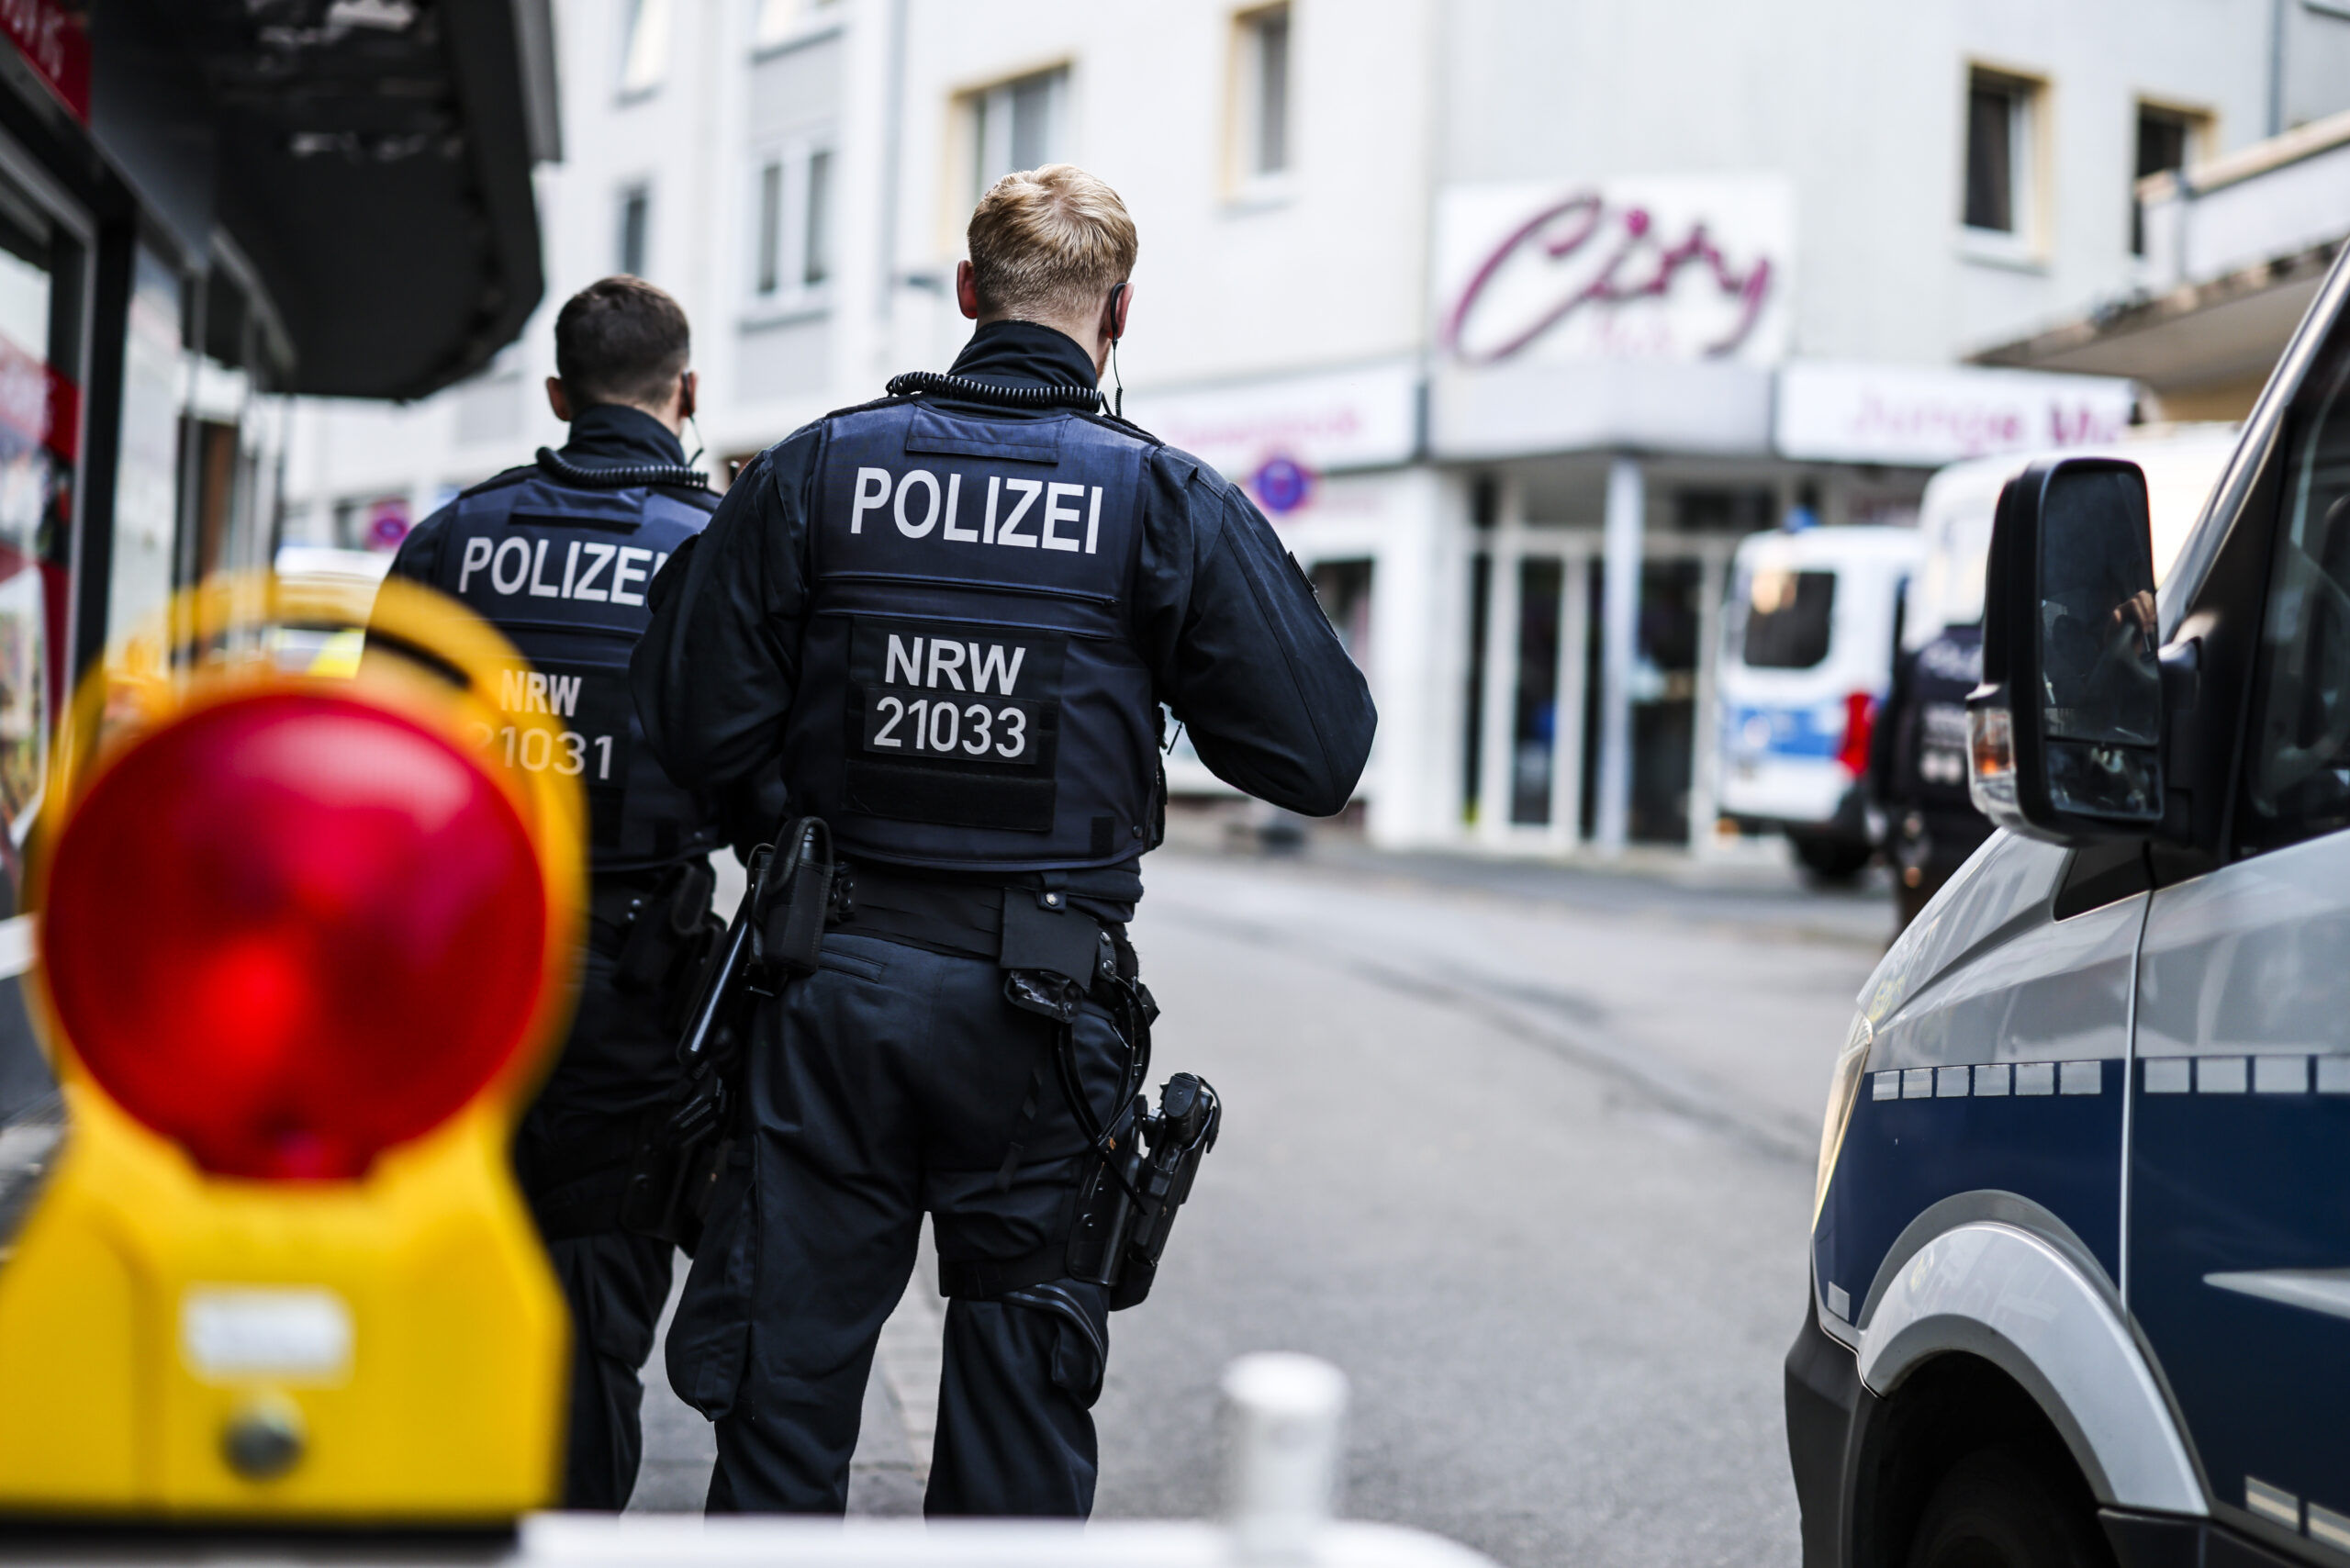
44 285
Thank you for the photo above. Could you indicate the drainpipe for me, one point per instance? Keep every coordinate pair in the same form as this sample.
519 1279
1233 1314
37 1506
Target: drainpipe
894 136
2277 19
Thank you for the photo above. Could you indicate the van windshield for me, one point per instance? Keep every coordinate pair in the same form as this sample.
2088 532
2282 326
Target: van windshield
1948 586
1788 615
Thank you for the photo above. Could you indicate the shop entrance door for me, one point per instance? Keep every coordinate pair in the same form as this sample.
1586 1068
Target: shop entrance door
1536 775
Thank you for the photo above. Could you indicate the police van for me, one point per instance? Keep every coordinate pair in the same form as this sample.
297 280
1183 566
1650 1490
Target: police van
1807 647
2080 1255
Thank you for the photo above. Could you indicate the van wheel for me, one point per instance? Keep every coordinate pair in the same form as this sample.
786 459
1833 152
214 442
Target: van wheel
1993 1511
1830 860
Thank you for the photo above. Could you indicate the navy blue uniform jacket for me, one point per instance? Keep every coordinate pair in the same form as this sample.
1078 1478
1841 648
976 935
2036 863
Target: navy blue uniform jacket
1238 649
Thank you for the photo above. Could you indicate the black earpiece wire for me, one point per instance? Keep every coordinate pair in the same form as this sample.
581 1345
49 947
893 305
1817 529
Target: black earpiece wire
1118 407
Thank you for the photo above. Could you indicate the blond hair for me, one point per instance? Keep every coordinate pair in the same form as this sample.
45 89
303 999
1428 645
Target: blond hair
1049 243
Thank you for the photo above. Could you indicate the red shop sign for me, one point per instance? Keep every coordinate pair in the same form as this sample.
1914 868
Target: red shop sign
54 38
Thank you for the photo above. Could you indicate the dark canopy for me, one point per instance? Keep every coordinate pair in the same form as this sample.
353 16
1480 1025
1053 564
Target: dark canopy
371 158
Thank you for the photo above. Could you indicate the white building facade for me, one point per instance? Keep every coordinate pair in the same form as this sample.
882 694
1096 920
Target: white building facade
1491 303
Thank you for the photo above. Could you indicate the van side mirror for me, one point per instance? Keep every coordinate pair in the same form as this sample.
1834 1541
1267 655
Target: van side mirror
2065 733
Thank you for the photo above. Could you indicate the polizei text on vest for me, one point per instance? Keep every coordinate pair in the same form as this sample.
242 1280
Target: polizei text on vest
1012 514
515 569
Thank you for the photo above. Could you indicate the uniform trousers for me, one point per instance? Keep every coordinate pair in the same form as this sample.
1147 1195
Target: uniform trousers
616 1285
572 1154
894 1082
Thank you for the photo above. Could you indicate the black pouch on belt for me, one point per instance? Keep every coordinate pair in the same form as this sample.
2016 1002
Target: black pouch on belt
796 898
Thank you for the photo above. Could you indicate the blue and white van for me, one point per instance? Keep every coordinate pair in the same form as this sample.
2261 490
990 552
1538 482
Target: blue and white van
2080 1261
1808 651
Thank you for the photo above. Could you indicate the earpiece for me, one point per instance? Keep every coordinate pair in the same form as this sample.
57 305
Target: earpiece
1117 328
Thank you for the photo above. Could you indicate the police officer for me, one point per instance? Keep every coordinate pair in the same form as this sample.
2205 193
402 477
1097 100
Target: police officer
558 553
952 616
1918 766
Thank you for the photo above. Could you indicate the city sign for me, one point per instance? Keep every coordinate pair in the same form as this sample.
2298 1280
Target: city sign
1928 415
1686 268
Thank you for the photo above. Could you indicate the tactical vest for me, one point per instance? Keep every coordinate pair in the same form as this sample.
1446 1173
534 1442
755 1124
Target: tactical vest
969 697
562 570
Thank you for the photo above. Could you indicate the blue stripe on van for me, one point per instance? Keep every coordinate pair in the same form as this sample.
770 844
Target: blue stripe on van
1750 732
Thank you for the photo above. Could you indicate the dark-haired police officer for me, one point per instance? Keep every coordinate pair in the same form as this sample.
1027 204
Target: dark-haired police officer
952 616
559 554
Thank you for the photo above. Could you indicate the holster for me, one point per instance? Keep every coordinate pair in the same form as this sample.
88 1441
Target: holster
1142 1165
670 936
777 932
671 1184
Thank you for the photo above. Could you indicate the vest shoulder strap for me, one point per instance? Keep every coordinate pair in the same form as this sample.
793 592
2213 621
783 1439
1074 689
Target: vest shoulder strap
1121 425
499 481
699 498
891 401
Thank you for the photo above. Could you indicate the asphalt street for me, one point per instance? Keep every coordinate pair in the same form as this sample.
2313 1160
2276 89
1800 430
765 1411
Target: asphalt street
1526 1150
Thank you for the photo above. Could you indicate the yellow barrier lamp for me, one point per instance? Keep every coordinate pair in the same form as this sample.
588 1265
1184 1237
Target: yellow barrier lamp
304 947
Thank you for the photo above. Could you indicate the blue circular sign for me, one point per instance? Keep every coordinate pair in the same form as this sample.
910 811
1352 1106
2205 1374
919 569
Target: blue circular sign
1282 484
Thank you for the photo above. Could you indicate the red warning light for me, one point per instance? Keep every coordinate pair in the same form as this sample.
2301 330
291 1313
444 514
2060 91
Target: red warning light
291 930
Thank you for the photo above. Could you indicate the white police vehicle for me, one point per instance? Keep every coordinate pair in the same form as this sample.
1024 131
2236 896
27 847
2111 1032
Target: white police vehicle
2081 1252
1807 652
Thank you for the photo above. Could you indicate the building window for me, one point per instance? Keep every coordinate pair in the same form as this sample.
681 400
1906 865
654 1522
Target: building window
2001 125
644 46
2166 139
816 264
635 226
768 272
1263 96
792 249
1017 125
777 20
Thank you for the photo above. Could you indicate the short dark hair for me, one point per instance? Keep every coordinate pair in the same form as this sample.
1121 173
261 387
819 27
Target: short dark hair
619 340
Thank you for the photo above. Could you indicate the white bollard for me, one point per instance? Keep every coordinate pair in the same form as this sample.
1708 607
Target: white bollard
1282 1416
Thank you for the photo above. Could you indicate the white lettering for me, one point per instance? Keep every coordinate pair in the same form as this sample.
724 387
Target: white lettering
660 560
946 658
598 557
627 573
540 587
867 499
563 696
536 702
898 657
477 551
571 569
513 688
521 550
991 665
954 501
1093 520
1056 512
930 518
995 487
1008 534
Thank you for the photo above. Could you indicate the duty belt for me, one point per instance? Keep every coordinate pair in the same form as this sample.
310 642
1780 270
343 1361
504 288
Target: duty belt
1015 927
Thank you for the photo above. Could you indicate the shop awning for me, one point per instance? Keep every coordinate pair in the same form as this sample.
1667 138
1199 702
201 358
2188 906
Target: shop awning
371 158
2199 334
